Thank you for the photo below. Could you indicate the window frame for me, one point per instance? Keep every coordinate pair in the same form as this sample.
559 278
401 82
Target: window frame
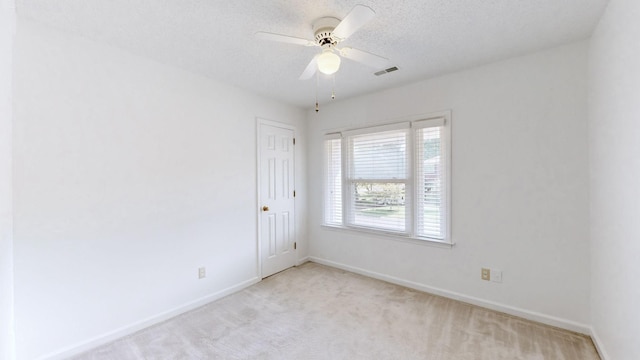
412 125
349 179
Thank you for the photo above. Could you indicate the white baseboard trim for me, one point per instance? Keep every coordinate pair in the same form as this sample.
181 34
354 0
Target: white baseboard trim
302 261
598 344
511 310
137 326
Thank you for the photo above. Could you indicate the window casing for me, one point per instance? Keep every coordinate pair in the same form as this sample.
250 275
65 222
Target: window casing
392 179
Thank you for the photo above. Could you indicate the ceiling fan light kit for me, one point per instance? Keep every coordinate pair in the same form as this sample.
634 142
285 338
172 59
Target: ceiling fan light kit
328 62
328 33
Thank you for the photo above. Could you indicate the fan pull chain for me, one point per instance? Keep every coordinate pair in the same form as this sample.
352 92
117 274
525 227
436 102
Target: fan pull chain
333 89
317 81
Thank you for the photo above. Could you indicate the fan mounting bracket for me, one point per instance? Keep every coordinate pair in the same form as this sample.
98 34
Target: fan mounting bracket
323 31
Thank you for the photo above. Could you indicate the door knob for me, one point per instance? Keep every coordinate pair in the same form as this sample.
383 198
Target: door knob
265 208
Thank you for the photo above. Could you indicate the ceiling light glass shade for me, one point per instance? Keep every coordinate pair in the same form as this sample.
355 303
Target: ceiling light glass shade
328 62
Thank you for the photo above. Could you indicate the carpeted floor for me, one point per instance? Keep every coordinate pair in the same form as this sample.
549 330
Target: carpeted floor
317 312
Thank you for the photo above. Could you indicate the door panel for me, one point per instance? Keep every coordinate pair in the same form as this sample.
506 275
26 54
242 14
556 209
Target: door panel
277 215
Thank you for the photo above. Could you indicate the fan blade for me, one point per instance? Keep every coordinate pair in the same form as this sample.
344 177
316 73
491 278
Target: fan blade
355 19
310 69
283 38
375 61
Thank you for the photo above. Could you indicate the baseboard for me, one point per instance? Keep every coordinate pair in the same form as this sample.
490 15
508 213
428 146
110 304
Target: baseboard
130 329
526 314
302 261
598 344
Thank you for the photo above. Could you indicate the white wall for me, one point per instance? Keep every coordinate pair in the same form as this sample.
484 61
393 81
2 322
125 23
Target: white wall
128 176
614 139
520 187
7 27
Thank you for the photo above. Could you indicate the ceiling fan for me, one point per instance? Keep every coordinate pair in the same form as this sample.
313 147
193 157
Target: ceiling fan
329 32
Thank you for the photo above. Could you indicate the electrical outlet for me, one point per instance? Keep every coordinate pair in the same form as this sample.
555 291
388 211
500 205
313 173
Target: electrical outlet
202 273
496 275
485 274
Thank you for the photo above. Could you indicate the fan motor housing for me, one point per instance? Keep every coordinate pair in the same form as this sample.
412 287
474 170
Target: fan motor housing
323 31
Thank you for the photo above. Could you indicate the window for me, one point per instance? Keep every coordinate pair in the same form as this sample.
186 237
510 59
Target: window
333 180
395 177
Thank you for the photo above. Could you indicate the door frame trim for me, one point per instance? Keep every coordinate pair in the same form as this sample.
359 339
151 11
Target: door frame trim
261 121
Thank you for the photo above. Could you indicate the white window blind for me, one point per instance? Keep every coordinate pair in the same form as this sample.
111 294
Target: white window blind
378 179
333 181
430 183
395 178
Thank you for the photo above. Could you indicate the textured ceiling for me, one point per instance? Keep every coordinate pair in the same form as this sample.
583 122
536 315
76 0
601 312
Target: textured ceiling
423 38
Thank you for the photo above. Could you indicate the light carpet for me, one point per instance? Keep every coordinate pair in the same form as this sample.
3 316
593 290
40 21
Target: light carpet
317 312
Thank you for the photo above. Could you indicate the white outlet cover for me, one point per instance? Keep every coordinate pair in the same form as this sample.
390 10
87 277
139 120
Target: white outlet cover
496 275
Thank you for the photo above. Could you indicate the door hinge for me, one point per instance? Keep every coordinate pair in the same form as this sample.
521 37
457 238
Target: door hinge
295 245
294 141
294 193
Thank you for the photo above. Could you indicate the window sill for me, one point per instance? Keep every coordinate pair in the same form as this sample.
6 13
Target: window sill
391 236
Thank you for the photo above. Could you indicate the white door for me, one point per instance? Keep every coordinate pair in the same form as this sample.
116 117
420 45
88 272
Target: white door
276 207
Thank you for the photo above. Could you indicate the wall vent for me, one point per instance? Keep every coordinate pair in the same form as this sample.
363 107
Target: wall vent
382 72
